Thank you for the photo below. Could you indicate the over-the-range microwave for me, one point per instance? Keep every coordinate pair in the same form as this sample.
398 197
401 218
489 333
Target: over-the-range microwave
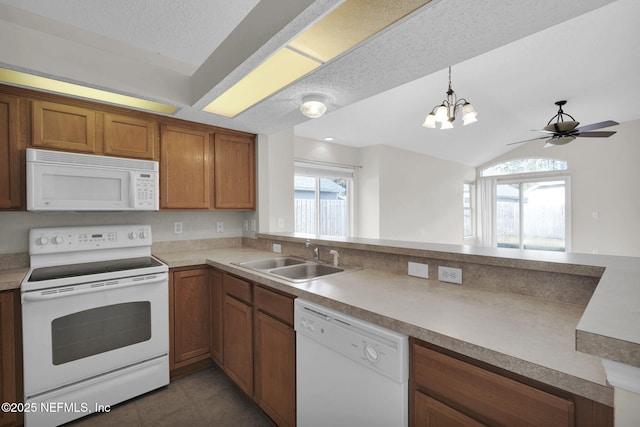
60 181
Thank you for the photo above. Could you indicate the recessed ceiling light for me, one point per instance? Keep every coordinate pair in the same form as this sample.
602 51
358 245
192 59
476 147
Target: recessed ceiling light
329 138
51 85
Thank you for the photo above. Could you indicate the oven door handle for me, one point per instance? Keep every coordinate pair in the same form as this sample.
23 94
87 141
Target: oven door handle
64 292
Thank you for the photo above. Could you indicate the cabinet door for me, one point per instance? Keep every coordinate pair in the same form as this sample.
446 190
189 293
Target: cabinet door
485 394
129 137
238 351
10 160
275 368
234 172
185 171
8 361
429 412
191 319
215 282
64 127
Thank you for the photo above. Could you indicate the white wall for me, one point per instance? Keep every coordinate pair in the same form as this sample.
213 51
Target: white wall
275 182
399 195
15 226
605 174
419 197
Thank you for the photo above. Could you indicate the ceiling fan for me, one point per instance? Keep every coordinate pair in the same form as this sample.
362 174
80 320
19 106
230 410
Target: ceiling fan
564 131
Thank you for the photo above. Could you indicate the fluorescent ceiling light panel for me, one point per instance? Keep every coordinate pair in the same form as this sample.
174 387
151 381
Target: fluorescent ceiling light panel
38 82
348 25
282 68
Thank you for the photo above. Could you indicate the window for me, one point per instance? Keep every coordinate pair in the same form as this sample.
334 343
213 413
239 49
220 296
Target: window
531 204
518 166
467 207
322 199
531 214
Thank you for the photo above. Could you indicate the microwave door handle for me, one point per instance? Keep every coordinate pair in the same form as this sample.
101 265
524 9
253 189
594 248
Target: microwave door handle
132 189
38 296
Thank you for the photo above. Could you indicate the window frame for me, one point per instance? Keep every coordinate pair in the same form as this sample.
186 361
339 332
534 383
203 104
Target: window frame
319 171
471 209
534 177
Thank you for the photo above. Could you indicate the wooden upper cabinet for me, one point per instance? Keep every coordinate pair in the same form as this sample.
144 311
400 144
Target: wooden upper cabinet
185 168
11 188
235 182
129 137
64 127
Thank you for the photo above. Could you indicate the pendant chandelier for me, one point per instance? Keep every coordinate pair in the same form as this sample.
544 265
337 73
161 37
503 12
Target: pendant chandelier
445 113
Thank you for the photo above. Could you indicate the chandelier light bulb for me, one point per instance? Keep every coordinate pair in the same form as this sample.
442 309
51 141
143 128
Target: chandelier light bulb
430 121
442 114
447 124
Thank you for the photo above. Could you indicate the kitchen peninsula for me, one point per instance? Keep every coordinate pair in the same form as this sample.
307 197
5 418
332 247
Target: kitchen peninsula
523 312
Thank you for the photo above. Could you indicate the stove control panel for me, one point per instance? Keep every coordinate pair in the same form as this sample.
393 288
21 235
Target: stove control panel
72 239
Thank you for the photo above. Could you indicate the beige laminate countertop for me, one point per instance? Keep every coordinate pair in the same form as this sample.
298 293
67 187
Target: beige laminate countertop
11 278
529 336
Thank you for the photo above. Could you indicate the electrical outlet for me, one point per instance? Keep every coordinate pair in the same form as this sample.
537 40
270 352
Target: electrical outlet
450 274
253 225
245 225
219 227
277 247
418 270
177 228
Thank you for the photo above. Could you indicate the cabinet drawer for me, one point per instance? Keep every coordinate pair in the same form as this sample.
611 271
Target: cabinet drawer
275 304
484 395
237 288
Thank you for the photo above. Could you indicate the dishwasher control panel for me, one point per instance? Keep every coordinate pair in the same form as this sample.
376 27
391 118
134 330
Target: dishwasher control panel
382 350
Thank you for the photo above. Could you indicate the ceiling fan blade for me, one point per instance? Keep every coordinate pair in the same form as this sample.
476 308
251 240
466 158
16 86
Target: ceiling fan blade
599 125
601 134
527 140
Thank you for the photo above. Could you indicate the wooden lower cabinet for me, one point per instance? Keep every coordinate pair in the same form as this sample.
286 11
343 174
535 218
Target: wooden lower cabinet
10 356
238 332
449 391
217 303
430 412
274 356
189 316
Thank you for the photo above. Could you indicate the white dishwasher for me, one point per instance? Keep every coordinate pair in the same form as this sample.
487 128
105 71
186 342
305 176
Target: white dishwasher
349 372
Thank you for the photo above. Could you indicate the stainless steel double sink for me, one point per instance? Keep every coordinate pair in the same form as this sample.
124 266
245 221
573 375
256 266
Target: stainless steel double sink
293 269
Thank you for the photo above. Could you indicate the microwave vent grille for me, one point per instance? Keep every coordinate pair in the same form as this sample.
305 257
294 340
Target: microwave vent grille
46 156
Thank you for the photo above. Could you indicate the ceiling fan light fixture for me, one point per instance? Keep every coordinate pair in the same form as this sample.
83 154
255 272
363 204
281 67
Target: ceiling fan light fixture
313 107
446 112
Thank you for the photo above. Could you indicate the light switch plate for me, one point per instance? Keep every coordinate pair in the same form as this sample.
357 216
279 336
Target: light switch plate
418 270
450 274
277 248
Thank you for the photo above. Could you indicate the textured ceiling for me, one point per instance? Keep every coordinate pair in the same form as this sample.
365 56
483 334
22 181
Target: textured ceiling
511 59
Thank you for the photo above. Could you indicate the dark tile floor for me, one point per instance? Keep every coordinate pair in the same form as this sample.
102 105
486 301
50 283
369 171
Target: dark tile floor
204 398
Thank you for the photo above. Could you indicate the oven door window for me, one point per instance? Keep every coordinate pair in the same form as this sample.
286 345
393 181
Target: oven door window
100 330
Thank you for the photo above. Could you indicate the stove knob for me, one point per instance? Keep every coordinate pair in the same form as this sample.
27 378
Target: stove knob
144 235
133 235
57 240
42 240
